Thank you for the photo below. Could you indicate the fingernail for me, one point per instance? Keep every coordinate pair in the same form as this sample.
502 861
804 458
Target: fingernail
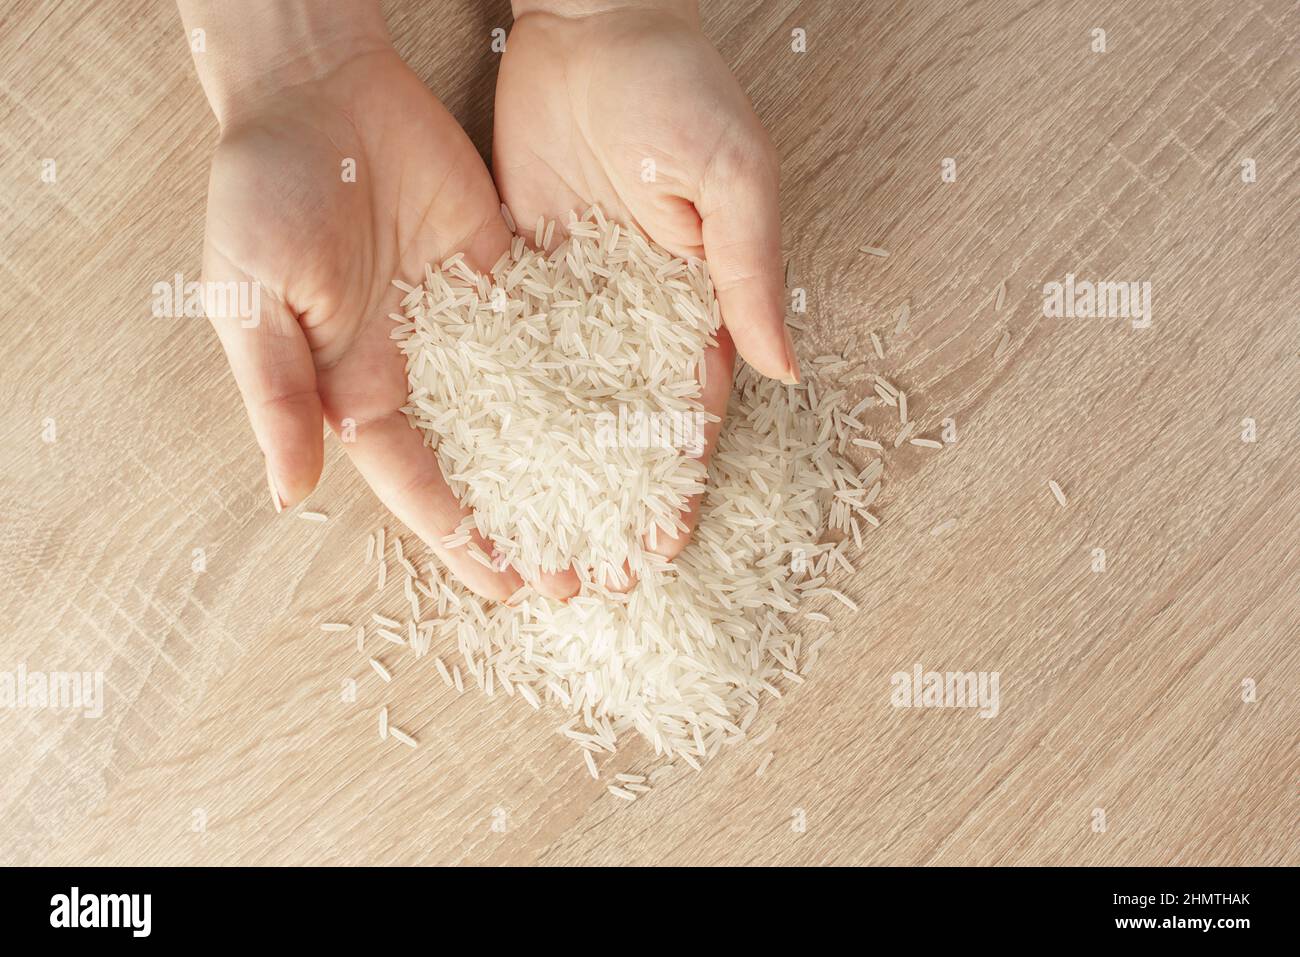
792 360
275 495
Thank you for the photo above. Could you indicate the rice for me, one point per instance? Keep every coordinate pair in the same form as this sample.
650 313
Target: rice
314 516
843 599
384 674
1001 296
334 626
400 735
591 764
513 401
546 380
873 251
926 443
1003 343
383 723
1057 493
875 344
763 765
904 316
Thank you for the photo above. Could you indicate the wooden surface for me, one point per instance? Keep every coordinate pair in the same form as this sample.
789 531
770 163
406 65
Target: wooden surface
1121 690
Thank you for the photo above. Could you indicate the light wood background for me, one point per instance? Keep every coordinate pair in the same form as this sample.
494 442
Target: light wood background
1121 690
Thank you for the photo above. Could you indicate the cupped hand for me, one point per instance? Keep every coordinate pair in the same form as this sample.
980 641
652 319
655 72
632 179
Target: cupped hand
321 193
625 104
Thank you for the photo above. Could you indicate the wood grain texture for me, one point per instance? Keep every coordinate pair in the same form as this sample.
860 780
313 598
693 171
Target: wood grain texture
1121 690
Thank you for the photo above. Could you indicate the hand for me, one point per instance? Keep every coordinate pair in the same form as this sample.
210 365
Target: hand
625 104
323 250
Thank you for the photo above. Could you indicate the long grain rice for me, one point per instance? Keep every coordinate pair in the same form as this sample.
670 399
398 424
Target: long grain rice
509 397
1057 493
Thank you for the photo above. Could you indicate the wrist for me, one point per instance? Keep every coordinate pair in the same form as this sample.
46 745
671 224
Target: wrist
688 10
251 49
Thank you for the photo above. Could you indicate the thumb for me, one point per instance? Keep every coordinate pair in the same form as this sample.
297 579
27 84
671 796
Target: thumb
273 368
741 229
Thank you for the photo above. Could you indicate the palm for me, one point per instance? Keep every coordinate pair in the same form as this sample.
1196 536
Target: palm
324 246
327 244
631 121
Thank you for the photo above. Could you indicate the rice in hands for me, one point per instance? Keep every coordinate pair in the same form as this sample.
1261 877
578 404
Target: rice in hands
512 378
526 385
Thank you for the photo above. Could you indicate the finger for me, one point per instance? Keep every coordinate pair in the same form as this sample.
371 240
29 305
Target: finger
559 585
272 365
741 228
392 457
719 364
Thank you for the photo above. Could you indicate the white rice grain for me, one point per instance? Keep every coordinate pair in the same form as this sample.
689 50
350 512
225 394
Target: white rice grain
1057 493
400 735
904 316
